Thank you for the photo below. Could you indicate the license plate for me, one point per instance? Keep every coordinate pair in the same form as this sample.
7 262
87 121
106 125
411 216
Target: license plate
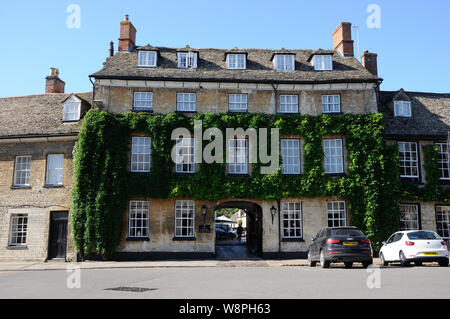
350 243
430 254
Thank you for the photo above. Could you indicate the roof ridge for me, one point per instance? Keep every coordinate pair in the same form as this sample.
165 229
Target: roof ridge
43 94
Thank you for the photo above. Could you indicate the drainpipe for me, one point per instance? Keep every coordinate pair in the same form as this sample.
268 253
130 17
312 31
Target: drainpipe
276 97
279 230
93 91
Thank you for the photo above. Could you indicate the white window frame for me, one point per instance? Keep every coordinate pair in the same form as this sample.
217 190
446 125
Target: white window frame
284 62
331 103
443 223
18 230
292 219
288 103
443 161
187 60
139 219
185 150
22 170
238 102
186 102
407 219
143 101
336 213
71 110
290 154
147 58
322 62
184 218
333 155
237 156
236 61
408 162
55 169
402 108
141 149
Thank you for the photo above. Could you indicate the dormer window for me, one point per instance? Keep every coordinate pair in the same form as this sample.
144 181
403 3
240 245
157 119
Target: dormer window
322 62
402 108
187 60
284 62
71 109
147 58
236 61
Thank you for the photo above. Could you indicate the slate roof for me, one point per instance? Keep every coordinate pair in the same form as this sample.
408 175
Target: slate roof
212 67
430 115
37 115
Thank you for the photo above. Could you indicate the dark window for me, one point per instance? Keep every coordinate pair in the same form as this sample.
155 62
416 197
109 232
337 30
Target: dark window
346 232
424 235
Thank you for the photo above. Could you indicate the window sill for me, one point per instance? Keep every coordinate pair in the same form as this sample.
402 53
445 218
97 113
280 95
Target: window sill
20 187
184 174
184 239
71 121
239 175
53 186
333 113
16 247
141 111
138 238
301 240
444 181
413 181
292 175
234 112
178 111
335 174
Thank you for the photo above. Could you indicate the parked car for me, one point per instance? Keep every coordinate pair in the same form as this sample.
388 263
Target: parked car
340 244
222 234
225 227
414 246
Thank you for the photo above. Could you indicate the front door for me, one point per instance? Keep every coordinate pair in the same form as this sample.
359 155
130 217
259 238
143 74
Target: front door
58 235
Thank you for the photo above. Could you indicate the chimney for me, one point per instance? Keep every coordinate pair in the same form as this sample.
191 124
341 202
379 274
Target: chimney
111 48
369 61
53 84
342 39
127 35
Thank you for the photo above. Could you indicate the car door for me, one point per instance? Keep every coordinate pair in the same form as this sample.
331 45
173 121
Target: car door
314 247
396 246
388 248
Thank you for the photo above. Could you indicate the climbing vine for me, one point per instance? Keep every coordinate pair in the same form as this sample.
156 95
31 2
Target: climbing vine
103 183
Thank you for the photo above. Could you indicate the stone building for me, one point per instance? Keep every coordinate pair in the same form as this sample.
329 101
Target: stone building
163 80
414 121
37 135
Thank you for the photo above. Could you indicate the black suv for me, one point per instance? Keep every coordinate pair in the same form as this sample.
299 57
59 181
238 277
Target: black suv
340 244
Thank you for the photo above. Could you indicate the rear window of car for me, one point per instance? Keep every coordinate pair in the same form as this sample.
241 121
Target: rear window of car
425 235
347 232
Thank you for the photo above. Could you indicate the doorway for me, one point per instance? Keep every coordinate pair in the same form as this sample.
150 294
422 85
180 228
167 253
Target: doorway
58 235
249 248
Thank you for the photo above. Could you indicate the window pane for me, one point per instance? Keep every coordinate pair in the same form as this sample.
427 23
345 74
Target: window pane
55 166
184 218
333 156
138 219
140 154
22 171
292 219
336 214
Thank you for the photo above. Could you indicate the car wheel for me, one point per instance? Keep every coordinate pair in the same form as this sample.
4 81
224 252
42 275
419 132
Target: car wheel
417 263
323 262
443 263
383 261
403 261
366 264
348 264
311 263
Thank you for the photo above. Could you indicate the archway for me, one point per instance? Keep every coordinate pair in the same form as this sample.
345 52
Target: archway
254 233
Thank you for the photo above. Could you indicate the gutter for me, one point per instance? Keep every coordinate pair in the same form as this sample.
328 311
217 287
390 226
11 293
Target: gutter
38 138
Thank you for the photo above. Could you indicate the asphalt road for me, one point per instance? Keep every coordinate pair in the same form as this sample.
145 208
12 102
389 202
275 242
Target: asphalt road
230 282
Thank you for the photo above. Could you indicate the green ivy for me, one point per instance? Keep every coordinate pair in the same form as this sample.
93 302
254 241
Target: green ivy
103 183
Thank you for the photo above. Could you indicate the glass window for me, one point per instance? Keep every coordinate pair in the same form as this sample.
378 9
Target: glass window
236 61
22 171
184 218
290 153
409 216
140 154
18 233
147 58
238 156
443 160
143 101
409 160
323 62
237 102
402 108
336 214
71 109
185 155
187 60
333 156
443 220
289 103
422 235
284 62
292 219
186 102
55 167
331 104
138 219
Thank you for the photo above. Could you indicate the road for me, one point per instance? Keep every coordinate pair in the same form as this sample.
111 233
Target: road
230 282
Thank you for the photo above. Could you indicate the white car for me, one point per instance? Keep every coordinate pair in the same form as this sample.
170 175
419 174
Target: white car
414 246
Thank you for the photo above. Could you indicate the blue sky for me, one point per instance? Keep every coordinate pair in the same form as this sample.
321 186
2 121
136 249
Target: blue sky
412 43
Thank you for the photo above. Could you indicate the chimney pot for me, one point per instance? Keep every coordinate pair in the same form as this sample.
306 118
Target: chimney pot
53 84
127 37
342 39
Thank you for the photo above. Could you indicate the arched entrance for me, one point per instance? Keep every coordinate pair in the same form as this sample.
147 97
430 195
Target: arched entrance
252 248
